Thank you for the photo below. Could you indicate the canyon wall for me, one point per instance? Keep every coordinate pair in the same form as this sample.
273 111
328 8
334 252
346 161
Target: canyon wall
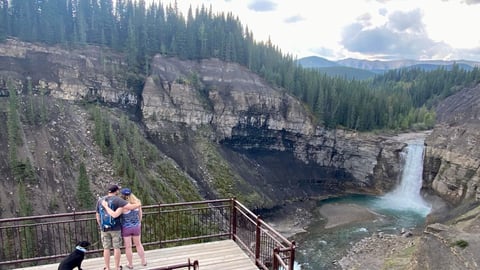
222 128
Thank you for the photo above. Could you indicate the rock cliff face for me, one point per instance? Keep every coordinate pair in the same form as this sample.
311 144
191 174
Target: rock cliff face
88 74
452 155
224 128
451 171
272 129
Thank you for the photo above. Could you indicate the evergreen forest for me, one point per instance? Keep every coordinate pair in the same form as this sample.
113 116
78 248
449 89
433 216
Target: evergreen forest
397 100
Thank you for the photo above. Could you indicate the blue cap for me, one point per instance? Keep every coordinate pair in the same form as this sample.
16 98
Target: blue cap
126 191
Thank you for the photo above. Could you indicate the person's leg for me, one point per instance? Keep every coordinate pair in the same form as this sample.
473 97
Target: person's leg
140 251
106 258
117 244
127 241
116 254
107 245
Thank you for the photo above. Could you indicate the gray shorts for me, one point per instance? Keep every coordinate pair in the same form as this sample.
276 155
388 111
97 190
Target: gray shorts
111 239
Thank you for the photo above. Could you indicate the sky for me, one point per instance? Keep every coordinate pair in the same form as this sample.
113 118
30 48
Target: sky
364 29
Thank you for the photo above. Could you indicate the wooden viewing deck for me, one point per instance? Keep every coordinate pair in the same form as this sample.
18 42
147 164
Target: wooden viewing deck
224 255
218 234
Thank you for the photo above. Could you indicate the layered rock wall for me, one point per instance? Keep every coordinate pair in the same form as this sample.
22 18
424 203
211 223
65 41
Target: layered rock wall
265 137
451 171
452 155
248 115
91 73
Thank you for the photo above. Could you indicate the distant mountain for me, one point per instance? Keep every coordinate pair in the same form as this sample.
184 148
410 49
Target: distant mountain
334 69
356 68
382 66
429 67
316 62
347 72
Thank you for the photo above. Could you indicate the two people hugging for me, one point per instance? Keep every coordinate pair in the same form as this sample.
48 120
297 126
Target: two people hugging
126 209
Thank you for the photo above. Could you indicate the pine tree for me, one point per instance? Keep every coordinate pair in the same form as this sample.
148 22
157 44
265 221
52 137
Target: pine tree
43 107
84 194
100 129
4 20
80 22
30 110
13 125
26 208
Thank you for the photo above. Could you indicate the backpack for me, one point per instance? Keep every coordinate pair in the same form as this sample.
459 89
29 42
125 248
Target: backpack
106 221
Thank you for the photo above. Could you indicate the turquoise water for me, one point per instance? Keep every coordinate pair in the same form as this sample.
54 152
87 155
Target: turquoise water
319 248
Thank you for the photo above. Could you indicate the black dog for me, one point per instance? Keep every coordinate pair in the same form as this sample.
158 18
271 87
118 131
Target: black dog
75 258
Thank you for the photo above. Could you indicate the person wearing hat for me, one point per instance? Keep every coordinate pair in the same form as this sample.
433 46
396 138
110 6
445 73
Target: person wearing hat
131 227
111 237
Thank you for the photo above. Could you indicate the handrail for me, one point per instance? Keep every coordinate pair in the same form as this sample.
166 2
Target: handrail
35 240
265 241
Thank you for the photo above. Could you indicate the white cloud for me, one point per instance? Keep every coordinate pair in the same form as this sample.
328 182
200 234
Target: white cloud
262 5
428 29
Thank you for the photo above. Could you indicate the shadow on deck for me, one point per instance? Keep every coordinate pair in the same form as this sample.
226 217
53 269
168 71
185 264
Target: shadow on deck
219 234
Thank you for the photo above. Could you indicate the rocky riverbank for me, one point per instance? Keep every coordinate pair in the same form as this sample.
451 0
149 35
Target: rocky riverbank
372 252
381 251
375 252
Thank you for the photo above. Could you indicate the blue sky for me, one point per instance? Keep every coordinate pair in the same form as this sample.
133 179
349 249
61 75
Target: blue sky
366 29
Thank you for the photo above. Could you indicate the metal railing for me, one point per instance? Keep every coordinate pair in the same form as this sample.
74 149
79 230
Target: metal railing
35 240
189 264
260 241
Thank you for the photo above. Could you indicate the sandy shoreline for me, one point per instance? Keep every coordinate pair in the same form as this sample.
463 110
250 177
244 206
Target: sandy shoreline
295 222
338 214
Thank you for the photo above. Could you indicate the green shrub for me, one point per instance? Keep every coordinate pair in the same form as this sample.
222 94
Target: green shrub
461 243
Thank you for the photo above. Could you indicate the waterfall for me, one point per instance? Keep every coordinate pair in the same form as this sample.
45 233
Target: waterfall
406 196
402 208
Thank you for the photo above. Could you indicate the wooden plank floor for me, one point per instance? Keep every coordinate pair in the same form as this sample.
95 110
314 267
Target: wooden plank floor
224 255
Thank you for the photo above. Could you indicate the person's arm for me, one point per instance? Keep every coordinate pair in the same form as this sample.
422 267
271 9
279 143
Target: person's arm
131 206
109 210
140 214
97 216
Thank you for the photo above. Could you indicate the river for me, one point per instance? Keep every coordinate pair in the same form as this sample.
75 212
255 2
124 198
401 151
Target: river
321 246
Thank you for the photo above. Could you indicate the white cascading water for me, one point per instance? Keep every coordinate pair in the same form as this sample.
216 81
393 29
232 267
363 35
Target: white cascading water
407 195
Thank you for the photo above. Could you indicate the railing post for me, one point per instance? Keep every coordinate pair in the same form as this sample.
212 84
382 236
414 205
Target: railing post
233 219
74 222
160 222
275 259
74 230
257 239
292 256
